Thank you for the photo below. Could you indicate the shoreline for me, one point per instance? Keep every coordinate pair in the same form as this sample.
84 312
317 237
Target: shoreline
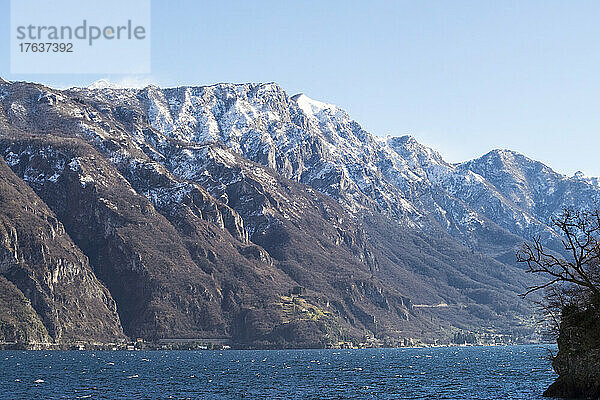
110 348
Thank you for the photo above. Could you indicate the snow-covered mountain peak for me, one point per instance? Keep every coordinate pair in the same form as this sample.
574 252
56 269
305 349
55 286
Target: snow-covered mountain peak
237 88
318 144
501 155
503 160
406 141
514 164
317 109
411 150
311 106
104 84
132 83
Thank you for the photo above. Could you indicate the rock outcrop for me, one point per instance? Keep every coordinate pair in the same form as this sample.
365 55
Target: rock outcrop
578 360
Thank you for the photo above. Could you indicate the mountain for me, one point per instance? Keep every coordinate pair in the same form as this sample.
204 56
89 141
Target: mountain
531 185
47 282
592 180
236 211
103 84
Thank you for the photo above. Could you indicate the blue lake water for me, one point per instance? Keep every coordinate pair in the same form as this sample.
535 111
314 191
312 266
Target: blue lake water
507 372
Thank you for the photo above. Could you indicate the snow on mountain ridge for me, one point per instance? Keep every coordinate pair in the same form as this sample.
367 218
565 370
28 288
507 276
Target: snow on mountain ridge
318 144
127 82
315 108
592 180
531 185
342 160
103 84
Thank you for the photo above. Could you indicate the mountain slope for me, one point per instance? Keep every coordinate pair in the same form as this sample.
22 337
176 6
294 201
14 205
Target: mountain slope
247 291
318 144
39 261
202 209
531 185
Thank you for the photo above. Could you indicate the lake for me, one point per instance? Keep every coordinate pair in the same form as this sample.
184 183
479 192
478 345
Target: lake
503 372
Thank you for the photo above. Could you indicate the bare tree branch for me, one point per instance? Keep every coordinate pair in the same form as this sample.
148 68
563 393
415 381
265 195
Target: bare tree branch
581 240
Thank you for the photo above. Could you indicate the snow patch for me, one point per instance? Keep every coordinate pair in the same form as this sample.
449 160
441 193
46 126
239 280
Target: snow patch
12 159
317 109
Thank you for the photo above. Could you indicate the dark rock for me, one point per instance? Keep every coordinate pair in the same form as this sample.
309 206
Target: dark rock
578 360
50 277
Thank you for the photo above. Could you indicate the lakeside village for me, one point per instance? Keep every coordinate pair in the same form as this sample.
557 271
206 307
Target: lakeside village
200 344
462 339
294 307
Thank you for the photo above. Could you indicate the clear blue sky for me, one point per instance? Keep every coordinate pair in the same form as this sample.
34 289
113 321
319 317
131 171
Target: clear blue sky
461 76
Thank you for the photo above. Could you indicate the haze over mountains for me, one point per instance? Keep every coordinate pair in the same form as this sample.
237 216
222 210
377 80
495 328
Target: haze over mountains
237 211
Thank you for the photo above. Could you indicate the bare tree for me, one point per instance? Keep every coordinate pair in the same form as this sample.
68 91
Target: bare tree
576 276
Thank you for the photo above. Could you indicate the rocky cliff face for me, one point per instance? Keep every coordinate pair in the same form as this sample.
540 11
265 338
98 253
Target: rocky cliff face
201 210
578 360
19 322
320 145
49 290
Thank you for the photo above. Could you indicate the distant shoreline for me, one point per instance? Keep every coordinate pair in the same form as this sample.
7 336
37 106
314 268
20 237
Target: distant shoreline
51 347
